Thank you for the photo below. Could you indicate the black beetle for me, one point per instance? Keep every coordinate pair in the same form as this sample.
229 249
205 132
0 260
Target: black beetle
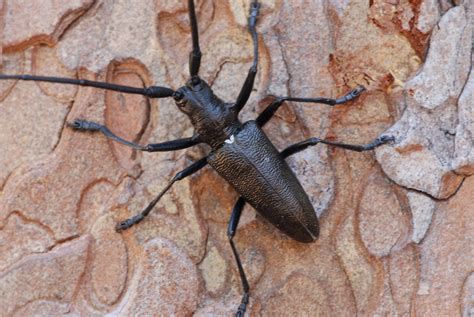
241 152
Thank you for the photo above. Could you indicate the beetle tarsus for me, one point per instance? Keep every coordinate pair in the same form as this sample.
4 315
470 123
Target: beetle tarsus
243 305
85 125
351 95
358 90
124 225
254 11
386 139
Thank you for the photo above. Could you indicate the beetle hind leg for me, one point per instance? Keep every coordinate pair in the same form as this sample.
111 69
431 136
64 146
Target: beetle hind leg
300 146
231 229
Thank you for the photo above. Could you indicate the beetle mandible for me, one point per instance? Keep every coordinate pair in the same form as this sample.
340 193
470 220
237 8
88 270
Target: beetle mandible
241 152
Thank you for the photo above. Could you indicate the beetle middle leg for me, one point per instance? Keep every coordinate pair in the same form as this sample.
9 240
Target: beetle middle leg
231 229
173 145
196 166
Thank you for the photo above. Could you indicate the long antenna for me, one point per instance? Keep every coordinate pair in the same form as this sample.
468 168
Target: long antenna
195 55
152 91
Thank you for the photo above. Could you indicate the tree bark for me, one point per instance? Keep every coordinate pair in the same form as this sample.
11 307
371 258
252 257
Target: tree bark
396 223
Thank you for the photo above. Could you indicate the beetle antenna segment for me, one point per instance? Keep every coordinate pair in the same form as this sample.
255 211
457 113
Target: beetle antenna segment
195 55
151 92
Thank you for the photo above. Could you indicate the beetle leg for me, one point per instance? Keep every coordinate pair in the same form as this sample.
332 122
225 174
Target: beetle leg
300 146
195 55
196 166
248 84
231 229
270 110
174 145
151 92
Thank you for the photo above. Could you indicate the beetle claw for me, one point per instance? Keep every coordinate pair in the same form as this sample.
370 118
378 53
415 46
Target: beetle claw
387 138
240 312
358 90
123 225
127 223
84 125
243 306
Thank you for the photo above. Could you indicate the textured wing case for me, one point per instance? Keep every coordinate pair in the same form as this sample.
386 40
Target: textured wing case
254 167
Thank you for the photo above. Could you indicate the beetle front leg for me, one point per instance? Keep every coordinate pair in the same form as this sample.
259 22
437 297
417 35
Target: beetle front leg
196 166
270 110
82 125
231 229
249 81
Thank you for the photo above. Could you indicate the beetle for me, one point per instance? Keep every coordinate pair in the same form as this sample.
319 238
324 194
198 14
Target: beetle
241 152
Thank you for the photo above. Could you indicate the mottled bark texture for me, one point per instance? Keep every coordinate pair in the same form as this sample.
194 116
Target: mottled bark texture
397 225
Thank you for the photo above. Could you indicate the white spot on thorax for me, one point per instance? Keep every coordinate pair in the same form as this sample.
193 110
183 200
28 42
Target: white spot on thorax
230 140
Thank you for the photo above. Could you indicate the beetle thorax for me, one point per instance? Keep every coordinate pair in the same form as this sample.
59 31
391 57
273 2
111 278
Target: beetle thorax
213 119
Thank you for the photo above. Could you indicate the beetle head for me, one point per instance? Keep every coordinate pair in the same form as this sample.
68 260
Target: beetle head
196 97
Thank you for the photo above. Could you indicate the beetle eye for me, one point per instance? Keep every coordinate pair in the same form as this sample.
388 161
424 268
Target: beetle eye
178 96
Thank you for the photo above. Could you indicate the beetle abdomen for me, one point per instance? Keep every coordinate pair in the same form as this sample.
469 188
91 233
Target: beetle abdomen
255 168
